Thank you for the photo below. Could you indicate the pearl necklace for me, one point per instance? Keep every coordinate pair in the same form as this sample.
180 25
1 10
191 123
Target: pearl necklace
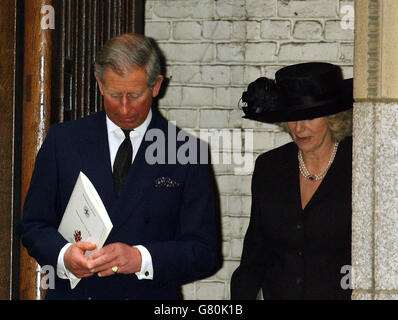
319 176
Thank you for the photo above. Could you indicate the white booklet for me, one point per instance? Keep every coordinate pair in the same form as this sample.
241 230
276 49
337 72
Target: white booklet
85 217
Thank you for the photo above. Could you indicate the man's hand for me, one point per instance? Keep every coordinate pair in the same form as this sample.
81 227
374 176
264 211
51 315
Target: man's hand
126 258
75 261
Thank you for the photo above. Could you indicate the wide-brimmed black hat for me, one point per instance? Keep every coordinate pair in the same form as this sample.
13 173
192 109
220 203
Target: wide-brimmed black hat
299 92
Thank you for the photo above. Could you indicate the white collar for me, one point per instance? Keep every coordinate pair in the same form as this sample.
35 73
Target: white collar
139 131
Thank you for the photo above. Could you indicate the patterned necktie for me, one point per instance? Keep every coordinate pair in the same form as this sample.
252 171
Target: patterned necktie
122 163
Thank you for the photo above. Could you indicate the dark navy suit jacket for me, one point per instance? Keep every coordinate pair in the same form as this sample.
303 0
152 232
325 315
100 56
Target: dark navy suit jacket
168 208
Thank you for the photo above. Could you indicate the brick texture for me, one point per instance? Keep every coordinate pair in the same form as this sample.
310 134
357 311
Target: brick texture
213 50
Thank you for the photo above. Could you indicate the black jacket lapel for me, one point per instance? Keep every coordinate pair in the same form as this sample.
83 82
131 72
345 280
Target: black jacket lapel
289 177
141 177
94 151
341 166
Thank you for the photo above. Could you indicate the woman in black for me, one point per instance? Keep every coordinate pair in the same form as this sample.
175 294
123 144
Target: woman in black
298 244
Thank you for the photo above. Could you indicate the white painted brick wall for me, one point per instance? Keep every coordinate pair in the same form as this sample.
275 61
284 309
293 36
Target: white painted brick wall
307 30
214 49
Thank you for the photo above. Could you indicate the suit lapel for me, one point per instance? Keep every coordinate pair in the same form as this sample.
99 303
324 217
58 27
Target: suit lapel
94 151
140 178
290 177
290 180
333 179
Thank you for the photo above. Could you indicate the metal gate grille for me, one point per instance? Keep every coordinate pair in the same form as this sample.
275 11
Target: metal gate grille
82 26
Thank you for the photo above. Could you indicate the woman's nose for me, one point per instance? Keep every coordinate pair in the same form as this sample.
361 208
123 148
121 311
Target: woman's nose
300 126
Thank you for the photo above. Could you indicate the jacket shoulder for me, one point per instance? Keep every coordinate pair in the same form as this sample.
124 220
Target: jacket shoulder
280 154
81 122
76 129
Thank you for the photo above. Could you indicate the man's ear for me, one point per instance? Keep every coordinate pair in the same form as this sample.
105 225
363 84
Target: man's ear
156 87
100 86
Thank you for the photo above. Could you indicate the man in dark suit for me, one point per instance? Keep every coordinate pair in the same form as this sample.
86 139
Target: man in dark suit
163 212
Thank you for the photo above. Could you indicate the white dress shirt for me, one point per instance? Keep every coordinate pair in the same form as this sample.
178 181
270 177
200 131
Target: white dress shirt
115 139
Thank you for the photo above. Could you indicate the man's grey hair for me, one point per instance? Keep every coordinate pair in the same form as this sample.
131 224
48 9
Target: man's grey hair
128 51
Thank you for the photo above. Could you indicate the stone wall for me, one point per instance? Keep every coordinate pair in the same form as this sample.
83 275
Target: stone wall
214 49
375 151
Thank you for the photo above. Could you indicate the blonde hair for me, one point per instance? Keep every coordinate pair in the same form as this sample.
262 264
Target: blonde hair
340 125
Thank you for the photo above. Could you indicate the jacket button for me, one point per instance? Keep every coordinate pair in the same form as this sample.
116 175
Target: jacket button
300 253
299 280
299 226
146 273
147 220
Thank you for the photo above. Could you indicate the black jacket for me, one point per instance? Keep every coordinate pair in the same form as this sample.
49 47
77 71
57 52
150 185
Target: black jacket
289 252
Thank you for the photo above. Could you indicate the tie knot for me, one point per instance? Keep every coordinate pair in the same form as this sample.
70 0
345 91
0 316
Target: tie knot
126 133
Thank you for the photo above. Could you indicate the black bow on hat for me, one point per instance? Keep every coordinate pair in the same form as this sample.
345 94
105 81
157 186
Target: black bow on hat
299 92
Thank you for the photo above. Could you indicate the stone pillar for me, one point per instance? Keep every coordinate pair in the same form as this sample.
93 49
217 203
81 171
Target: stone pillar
375 151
